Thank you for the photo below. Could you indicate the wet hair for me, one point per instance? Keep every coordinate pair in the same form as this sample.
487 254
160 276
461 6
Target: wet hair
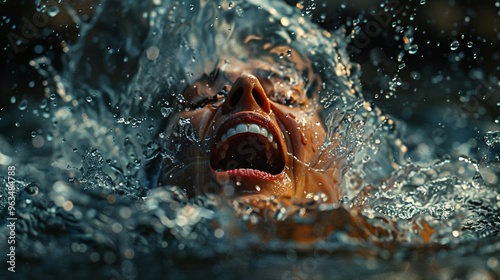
192 40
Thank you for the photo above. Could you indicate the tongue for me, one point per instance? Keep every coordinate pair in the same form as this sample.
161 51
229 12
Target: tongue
248 151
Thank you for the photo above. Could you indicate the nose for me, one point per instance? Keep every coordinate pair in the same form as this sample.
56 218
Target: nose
246 94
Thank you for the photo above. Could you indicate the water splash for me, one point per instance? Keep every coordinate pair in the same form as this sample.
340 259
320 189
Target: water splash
98 195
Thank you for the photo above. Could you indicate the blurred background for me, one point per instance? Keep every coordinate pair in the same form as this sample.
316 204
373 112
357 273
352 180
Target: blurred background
436 65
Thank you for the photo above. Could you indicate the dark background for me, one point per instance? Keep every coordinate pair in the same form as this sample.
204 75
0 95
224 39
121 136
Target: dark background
437 84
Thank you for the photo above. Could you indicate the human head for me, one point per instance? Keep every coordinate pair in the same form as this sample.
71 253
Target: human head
261 56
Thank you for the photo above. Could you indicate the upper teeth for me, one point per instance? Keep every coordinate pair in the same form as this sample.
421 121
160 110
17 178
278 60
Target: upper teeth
245 128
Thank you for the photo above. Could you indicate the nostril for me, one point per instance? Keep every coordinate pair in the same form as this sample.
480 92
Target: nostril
235 98
257 96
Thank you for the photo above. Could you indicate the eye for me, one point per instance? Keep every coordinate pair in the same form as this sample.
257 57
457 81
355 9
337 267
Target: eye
287 95
282 89
287 99
221 94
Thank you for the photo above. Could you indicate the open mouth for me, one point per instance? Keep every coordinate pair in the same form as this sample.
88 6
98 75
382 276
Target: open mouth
247 146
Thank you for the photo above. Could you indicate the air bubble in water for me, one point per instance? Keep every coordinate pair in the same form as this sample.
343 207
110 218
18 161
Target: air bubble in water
422 2
454 45
469 44
89 99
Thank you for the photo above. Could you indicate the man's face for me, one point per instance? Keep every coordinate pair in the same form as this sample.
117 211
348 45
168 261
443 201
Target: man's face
261 131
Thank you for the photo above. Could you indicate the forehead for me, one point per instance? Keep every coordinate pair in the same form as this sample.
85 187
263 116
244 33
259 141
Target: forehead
231 69
276 62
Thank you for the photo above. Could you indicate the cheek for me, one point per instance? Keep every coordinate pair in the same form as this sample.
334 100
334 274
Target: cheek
200 120
312 129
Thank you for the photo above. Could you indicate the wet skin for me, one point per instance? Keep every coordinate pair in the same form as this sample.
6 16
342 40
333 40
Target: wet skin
262 133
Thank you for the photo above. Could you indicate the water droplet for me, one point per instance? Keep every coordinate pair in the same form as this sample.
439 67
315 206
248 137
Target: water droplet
17 124
75 150
23 105
477 180
492 137
153 53
413 49
89 99
470 44
422 2
454 45
165 112
38 49
12 99
53 11
41 8
33 134
32 189
401 56
43 104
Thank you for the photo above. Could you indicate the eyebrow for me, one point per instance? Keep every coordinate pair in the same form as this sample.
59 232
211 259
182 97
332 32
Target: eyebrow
260 72
267 73
213 74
